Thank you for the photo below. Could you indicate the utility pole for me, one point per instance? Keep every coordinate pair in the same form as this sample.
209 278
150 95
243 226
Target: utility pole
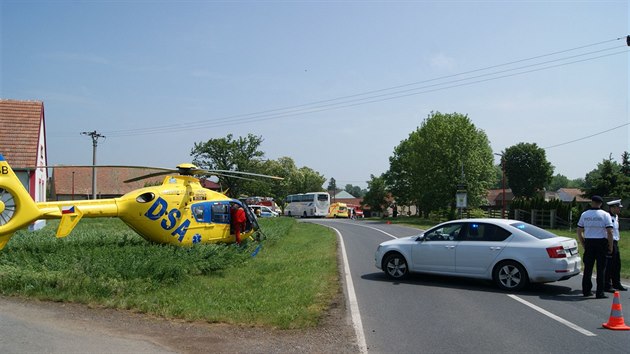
95 137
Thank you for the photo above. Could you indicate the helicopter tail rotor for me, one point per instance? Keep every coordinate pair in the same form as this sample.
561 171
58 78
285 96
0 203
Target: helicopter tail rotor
17 208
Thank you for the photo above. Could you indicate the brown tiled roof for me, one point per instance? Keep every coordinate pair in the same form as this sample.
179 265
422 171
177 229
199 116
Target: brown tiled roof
576 193
495 196
355 201
110 180
206 183
20 123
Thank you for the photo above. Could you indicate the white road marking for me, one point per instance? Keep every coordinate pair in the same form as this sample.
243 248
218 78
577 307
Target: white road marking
555 317
379 230
352 298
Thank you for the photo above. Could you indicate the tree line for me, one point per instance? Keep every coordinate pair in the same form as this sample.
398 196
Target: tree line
244 154
447 153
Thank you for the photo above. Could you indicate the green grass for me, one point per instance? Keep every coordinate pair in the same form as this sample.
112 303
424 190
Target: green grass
289 284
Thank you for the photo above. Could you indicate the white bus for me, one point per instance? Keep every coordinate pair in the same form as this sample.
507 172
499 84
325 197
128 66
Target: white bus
314 204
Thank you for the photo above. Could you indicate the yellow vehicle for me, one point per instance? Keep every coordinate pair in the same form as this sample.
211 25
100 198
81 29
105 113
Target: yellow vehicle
179 211
338 210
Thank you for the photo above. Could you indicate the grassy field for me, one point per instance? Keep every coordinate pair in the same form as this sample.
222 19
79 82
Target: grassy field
288 284
624 239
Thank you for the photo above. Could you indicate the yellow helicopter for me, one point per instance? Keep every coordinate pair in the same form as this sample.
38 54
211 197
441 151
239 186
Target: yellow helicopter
179 211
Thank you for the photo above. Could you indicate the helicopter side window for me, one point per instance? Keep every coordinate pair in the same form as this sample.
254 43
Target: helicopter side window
221 213
199 212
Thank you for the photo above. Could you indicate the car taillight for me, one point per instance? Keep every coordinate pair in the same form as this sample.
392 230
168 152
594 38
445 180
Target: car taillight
556 252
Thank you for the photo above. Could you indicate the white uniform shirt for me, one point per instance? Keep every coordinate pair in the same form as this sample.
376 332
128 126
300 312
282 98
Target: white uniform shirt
595 222
615 221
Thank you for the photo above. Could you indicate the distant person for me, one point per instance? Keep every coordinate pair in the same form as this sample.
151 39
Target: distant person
238 221
595 233
613 267
395 211
354 214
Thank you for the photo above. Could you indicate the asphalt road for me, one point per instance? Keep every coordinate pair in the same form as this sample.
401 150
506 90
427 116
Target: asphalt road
454 315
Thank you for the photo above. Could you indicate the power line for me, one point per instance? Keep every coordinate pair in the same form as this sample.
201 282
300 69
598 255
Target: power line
586 137
349 103
194 125
344 102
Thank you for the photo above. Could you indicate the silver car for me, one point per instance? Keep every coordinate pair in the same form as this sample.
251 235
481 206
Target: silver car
512 253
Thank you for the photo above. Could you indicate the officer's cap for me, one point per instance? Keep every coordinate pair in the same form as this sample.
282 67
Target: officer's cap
616 203
597 198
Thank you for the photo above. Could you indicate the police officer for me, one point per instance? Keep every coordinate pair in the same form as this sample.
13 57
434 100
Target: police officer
613 267
595 234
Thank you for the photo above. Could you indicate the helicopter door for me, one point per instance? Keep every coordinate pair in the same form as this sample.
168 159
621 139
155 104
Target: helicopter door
220 212
252 221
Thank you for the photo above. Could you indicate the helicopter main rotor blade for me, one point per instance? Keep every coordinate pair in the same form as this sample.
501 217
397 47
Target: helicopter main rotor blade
232 176
99 166
155 174
183 169
243 173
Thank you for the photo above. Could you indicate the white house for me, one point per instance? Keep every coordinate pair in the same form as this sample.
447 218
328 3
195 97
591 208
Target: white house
23 145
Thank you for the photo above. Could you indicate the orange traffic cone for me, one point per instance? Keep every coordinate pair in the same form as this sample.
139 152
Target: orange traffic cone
616 316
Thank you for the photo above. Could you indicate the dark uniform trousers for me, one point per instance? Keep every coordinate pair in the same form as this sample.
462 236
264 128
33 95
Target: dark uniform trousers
595 250
613 268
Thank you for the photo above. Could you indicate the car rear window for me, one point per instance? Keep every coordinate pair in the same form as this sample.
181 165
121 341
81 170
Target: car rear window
535 231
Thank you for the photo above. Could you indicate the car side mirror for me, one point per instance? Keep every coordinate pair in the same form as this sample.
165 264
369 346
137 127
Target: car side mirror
420 238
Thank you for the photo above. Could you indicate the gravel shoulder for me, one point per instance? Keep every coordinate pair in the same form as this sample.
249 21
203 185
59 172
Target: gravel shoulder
334 334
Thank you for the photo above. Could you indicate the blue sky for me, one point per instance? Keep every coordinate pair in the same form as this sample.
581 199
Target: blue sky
156 76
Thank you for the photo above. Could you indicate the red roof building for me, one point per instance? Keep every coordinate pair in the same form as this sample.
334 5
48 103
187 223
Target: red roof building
23 145
75 183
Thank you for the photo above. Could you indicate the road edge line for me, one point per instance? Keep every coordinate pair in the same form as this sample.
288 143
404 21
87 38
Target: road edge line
352 297
379 230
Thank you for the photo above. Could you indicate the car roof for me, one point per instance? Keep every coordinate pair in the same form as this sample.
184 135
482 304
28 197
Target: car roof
488 220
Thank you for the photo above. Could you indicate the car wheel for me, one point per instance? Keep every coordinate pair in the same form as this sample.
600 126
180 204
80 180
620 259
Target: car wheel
395 266
510 275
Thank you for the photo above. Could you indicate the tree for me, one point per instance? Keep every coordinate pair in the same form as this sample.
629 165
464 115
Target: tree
576 183
296 180
399 179
356 191
376 194
527 169
498 179
623 189
558 181
332 186
625 164
227 154
309 180
446 150
283 167
608 179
